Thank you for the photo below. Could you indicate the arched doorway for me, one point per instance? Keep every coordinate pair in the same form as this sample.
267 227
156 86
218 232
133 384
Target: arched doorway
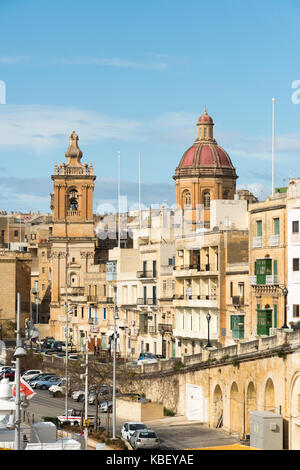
269 402
250 404
295 415
217 417
235 417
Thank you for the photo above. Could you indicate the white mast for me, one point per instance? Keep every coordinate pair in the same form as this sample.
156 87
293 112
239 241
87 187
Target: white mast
273 142
140 192
119 202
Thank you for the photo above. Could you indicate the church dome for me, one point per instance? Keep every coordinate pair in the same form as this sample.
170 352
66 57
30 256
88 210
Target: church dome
205 118
205 157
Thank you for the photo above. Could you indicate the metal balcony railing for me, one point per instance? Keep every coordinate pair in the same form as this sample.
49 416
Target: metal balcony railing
145 274
197 267
148 301
166 327
152 330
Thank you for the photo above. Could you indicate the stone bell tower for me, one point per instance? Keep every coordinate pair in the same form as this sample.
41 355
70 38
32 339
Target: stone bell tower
72 200
73 240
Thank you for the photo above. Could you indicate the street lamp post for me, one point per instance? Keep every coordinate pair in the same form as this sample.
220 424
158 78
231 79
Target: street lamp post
208 318
162 332
114 363
285 294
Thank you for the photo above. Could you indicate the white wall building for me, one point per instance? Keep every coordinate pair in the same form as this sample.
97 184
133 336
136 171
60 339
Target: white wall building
293 229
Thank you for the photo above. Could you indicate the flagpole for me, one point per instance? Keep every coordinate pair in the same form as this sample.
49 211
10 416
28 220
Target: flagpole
140 192
273 142
119 197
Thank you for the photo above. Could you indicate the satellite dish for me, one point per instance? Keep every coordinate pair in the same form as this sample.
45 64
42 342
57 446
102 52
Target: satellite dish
216 229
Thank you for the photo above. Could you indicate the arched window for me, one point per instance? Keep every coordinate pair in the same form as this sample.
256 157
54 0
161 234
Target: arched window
187 200
73 200
206 199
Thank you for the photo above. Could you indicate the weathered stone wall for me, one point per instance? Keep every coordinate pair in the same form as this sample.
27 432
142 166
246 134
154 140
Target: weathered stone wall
261 375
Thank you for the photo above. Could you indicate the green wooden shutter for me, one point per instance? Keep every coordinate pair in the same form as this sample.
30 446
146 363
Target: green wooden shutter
275 267
276 226
258 228
275 316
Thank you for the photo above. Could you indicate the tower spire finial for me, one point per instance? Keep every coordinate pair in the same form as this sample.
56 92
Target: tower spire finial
73 153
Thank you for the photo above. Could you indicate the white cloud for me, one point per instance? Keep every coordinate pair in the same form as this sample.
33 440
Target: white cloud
39 127
112 62
7 60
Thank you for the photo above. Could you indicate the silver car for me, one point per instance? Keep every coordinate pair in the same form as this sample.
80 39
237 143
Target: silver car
144 439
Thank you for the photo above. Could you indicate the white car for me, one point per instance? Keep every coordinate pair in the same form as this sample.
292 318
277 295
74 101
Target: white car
147 358
78 395
59 389
29 374
130 427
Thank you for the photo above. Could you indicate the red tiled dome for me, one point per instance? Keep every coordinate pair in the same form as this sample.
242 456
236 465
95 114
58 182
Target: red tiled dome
205 156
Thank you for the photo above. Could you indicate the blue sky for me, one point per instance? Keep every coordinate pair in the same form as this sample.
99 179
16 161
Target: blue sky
134 76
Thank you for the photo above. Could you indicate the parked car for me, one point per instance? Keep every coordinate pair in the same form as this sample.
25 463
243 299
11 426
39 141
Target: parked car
144 439
105 407
41 376
78 395
59 389
8 374
4 368
147 357
30 374
45 383
129 428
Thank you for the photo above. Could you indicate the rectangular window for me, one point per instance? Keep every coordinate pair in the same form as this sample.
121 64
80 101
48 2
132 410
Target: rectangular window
82 312
154 294
295 226
295 264
296 311
144 267
231 289
144 295
173 285
276 226
164 285
258 228
104 290
43 270
75 310
16 233
242 291
104 314
154 268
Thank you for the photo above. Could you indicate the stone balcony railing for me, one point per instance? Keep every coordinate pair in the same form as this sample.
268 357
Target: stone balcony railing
240 351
